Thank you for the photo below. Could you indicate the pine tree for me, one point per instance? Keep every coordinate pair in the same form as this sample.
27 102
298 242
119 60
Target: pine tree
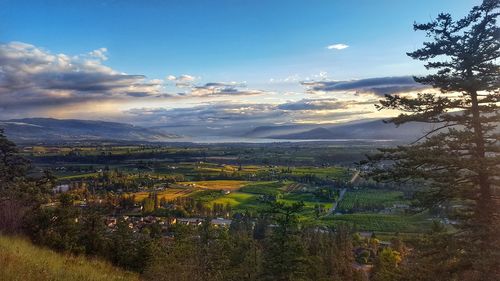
458 160
284 253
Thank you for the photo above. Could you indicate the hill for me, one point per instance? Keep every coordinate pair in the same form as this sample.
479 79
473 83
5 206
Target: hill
50 129
266 131
368 130
20 260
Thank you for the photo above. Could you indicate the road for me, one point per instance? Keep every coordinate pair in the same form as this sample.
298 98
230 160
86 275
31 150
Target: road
341 196
342 193
354 177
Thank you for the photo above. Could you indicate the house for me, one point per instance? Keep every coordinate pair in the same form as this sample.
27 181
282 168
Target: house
385 244
366 234
364 268
190 221
61 188
111 222
401 206
220 222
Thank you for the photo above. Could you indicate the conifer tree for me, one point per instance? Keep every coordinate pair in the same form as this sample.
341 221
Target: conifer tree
458 160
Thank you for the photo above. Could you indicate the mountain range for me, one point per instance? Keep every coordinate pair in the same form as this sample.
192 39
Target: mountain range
51 130
366 130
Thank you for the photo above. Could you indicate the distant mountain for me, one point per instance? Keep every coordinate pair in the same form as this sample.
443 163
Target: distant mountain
368 130
201 130
49 129
267 131
317 133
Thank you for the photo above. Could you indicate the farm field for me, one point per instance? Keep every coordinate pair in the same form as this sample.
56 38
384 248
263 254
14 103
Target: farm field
168 194
242 178
238 201
216 184
366 199
382 222
250 196
271 188
330 172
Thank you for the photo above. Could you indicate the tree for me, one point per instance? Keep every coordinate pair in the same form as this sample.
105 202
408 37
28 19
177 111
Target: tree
92 234
18 193
458 160
13 167
386 265
284 252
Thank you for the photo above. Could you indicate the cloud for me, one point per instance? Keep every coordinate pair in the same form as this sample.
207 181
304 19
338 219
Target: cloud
99 54
337 46
378 86
217 89
182 81
211 113
314 104
246 115
31 77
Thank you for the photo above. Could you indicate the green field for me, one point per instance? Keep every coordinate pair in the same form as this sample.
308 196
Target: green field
371 199
244 178
328 172
251 197
381 222
239 201
264 187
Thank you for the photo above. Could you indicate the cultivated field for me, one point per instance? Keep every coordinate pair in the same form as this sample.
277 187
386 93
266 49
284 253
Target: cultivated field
168 194
216 184
366 199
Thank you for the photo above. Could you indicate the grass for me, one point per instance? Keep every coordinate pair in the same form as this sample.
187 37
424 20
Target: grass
22 261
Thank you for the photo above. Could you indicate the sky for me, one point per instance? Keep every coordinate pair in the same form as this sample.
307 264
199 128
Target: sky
220 63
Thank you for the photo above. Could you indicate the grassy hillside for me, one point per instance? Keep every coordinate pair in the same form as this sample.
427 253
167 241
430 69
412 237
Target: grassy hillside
21 260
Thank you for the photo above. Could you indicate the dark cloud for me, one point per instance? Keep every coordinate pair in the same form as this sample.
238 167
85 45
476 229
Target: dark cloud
378 86
214 89
234 114
138 94
32 77
220 113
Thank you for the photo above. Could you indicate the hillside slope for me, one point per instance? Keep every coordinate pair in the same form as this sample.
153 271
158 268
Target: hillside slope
50 129
369 130
22 261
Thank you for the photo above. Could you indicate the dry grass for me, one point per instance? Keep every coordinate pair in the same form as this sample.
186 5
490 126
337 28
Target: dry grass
22 261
